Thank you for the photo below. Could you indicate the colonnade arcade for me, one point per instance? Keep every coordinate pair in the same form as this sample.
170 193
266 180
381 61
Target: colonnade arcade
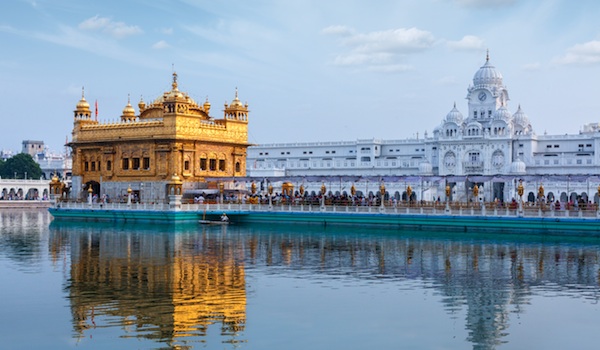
19 189
501 188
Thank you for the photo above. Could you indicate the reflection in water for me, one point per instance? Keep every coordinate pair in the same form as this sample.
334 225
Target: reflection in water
181 285
20 236
158 286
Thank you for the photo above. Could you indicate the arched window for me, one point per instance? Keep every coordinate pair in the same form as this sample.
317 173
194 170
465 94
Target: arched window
237 167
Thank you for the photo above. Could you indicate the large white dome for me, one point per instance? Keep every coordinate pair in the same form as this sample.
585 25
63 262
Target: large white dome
487 75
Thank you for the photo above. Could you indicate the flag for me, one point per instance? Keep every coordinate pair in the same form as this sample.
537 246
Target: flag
96 110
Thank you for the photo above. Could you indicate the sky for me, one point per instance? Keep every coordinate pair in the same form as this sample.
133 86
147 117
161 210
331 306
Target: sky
310 70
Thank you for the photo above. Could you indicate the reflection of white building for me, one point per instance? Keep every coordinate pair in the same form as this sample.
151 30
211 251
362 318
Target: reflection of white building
489 146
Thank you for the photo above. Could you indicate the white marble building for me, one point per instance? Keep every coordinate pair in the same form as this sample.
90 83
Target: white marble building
489 146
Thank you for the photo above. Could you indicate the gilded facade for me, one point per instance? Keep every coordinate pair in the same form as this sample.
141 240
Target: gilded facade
172 135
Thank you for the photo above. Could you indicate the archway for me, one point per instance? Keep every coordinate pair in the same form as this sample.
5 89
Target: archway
32 194
573 197
531 197
563 197
95 187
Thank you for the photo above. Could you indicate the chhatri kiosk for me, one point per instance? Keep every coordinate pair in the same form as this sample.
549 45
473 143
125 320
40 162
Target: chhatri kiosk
173 144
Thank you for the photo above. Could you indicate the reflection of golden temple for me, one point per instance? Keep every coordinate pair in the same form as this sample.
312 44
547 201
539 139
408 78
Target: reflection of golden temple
180 287
173 134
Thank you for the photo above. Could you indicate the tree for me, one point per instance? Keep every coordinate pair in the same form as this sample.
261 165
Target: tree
20 165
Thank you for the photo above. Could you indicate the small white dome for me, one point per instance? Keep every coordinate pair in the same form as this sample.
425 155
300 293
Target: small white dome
520 118
454 116
425 168
518 167
502 113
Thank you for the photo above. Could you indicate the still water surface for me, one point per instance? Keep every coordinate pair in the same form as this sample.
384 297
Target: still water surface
118 286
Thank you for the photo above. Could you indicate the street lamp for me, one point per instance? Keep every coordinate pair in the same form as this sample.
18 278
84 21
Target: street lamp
382 193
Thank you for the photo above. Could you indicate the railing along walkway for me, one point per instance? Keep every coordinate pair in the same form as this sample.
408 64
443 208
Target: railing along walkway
454 210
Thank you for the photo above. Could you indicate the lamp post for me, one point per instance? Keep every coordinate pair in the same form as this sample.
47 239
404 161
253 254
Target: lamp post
270 192
90 191
129 190
323 190
598 203
382 194
520 191
221 190
448 189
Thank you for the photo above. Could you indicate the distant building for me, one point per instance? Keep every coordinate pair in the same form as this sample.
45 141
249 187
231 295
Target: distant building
32 147
491 147
172 137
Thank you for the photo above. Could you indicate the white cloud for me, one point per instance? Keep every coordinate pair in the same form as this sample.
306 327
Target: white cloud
106 25
467 43
167 31
532 66
395 40
390 68
338 30
380 50
160 45
586 53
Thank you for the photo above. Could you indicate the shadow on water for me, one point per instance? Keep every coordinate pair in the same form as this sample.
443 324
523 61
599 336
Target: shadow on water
178 284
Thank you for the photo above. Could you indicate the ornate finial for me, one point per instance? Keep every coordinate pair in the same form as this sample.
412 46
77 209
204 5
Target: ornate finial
128 99
174 80
83 92
487 55
454 104
236 93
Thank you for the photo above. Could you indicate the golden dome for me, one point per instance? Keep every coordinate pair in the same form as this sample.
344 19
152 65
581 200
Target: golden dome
236 101
206 105
128 110
175 178
141 104
83 105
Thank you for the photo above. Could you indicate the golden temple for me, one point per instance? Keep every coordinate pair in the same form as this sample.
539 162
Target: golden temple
171 138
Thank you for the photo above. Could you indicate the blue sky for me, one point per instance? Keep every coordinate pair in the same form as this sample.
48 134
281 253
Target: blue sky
309 70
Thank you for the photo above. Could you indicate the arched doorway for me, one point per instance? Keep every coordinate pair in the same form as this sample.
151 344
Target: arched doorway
95 188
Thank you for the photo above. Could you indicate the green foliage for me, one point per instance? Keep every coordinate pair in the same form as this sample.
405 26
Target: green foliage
20 164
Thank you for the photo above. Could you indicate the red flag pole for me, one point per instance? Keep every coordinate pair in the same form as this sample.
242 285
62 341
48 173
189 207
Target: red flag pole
96 110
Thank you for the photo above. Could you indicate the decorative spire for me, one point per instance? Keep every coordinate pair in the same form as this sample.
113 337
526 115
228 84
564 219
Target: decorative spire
83 92
454 104
174 81
487 55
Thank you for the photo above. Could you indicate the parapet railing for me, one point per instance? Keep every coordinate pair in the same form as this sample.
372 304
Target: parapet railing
454 210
